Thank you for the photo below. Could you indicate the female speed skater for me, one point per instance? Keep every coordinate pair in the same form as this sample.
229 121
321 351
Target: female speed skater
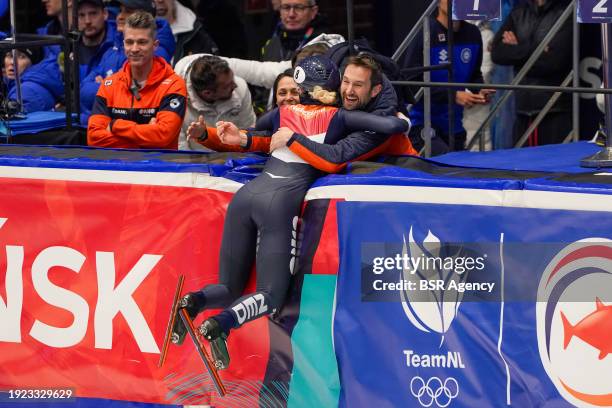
262 218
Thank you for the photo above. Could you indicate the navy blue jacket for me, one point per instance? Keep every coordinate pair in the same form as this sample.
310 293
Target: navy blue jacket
107 43
467 59
89 86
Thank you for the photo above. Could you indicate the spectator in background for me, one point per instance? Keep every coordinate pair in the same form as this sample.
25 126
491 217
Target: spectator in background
467 59
523 30
300 22
41 84
143 105
223 23
285 90
97 37
96 34
215 94
114 57
188 30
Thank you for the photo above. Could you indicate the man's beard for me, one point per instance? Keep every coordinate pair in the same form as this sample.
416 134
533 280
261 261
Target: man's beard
356 105
96 38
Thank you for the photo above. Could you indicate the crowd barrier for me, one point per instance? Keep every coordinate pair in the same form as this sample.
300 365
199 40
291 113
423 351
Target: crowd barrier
94 241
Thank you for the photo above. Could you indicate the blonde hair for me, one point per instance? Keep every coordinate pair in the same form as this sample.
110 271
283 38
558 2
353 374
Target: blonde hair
322 95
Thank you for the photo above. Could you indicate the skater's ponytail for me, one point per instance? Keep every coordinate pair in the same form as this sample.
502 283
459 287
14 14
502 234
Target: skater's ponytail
323 95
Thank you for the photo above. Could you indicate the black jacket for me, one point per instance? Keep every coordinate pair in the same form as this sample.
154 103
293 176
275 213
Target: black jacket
530 24
196 41
467 62
283 44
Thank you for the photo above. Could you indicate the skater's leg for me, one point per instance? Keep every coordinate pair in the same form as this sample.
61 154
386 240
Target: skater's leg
235 263
276 257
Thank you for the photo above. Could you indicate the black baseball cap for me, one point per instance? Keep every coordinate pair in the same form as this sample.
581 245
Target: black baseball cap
35 54
145 5
96 3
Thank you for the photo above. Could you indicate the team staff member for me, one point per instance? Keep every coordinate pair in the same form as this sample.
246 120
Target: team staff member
467 61
143 105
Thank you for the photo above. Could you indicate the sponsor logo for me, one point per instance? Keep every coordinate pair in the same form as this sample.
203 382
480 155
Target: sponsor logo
466 55
175 103
589 329
274 176
250 307
441 37
574 322
108 82
149 111
435 309
296 243
443 55
117 111
434 391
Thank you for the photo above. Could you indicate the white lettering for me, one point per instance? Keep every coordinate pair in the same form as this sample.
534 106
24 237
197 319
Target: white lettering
248 308
599 7
73 260
451 359
588 66
10 312
113 300
434 284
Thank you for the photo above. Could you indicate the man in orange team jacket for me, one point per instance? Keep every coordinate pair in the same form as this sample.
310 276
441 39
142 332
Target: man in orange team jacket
143 105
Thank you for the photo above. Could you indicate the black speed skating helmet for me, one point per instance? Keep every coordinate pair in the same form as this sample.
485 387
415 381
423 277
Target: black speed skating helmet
317 70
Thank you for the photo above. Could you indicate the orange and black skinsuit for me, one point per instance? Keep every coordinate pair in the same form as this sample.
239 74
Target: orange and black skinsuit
122 113
262 218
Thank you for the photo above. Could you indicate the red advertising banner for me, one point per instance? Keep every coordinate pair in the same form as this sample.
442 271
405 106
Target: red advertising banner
90 270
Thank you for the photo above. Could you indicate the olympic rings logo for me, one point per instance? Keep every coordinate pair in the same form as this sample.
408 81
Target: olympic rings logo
434 390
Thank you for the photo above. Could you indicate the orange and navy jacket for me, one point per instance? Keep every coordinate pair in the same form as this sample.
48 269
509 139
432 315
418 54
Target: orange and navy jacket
324 137
121 114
